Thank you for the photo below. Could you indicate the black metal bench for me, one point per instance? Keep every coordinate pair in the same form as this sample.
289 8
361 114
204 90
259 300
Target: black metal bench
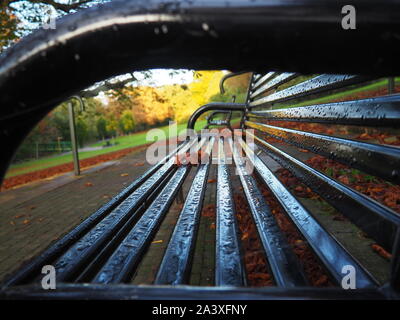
99 256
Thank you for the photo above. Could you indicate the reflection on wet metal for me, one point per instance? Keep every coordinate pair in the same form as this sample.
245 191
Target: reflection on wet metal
126 257
284 265
329 251
274 83
175 266
79 253
367 157
378 221
315 85
229 270
381 111
59 246
260 81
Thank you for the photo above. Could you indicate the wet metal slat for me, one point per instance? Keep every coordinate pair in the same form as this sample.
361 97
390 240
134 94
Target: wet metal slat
381 111
33 268
284 265
364 156
378 221
262 80
315 85
229 270
79 254
329 251
175 266
126 257
274 83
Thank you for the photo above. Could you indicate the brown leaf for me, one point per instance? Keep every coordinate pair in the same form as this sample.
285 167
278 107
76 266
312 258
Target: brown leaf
139 164
88 184
124 174
382 252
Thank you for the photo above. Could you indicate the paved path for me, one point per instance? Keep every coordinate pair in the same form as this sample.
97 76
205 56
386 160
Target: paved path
35 215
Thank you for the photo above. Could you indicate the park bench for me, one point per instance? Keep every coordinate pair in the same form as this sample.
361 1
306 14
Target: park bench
97 258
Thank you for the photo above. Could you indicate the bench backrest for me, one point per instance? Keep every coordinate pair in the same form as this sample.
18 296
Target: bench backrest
278 104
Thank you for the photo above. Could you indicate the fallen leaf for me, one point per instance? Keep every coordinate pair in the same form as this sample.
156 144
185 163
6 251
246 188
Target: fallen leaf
382 252
124 174
211 180
322 280
158 241
245 235
212 226
139 164
26 221
12 223
88 184
32 207
19 216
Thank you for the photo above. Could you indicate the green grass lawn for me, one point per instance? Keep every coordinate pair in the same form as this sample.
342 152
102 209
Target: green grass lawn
124 142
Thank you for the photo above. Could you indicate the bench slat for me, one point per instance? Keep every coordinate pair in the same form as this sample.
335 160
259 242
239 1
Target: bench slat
274 83
284 265
175 266
378 221
229 270
80 253
262 80
329 251
382 111
364 156
315 85
126 257
34 266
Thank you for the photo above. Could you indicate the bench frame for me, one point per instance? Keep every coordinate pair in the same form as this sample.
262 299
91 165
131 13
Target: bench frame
70 52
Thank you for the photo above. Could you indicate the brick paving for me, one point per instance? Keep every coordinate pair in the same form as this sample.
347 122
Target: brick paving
35 215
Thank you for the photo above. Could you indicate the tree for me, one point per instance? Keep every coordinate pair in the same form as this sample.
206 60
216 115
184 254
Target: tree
126 122
112 126
8 27
101 128
81 131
